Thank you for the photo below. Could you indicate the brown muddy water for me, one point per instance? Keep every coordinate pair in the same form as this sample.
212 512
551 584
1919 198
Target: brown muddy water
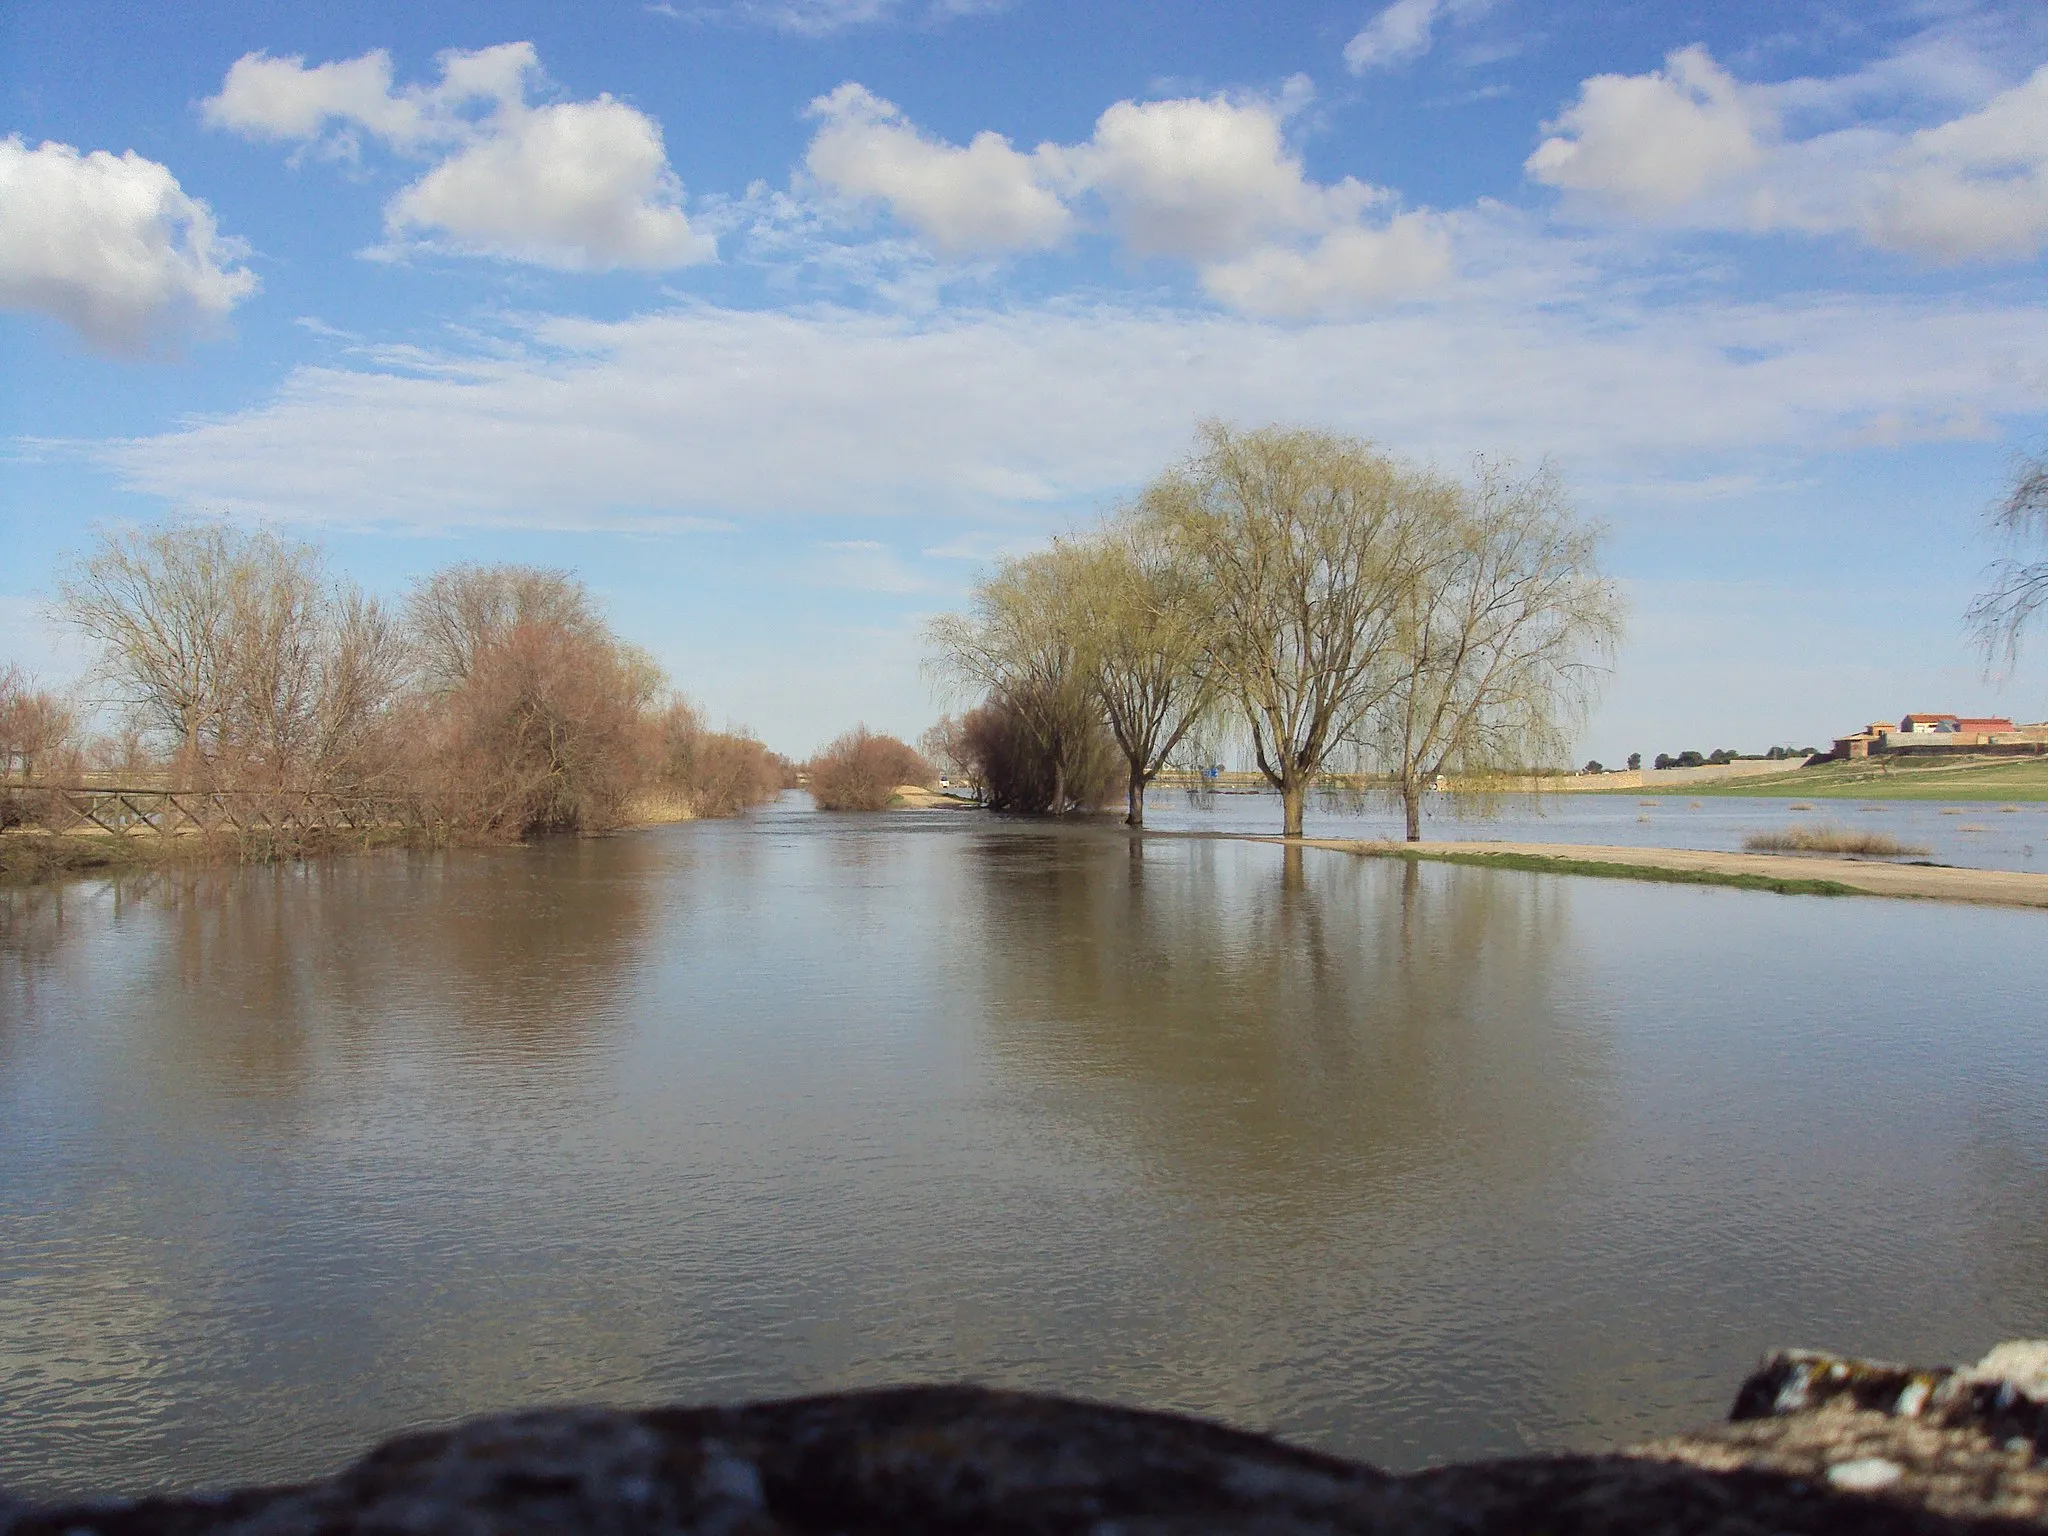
1407 1163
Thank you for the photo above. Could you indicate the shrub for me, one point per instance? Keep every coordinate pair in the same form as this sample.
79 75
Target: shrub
716 773
860 771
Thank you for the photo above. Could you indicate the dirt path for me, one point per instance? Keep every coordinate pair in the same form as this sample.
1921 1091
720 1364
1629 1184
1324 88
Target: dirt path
1989 887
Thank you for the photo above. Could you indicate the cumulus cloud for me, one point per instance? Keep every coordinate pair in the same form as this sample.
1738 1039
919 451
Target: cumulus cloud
1653 142
580 184
1206 177
987 196
1044 412
110 245
1691 145
1211 180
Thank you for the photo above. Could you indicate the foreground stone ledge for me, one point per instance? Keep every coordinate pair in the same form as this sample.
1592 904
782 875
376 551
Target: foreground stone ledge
1818 1444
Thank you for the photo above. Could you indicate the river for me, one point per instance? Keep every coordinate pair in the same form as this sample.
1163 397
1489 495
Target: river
1408 1163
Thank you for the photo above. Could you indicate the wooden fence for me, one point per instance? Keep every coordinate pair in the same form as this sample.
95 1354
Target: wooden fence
145 811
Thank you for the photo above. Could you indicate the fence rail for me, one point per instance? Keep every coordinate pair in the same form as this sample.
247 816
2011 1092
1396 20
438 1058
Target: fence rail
144 811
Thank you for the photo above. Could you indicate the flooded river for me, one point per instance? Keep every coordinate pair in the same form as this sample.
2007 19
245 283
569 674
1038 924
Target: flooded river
1409 1163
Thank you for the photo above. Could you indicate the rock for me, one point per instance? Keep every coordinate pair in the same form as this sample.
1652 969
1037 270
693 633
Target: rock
1819 1445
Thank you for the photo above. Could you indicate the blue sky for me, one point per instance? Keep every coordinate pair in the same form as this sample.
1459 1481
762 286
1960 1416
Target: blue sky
775 319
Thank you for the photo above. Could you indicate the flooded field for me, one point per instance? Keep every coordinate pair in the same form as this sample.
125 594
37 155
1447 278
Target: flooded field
1408 1163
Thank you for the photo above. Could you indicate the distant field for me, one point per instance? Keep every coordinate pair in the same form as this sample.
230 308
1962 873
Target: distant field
1983 778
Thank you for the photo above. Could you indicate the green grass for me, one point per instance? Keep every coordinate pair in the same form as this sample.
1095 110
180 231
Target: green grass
1540 864
1979 778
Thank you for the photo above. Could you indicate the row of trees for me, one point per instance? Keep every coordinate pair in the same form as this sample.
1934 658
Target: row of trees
1304 593
495 696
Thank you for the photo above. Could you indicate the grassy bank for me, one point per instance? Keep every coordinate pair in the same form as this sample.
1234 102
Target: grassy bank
1544 864
1975 778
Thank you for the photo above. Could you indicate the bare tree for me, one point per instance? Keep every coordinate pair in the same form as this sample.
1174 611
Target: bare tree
1309 545
236 651
532 716
363 668
943 744
1024 642
1145 621
161 606
1499 638
277 633
458 613
37 729
2019 586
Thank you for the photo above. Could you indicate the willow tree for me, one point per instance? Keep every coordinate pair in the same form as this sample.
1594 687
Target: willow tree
1144 617
1308 545
1022 642
2019 586
1500 637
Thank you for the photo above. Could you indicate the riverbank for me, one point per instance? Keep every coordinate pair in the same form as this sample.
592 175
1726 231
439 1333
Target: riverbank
1816 1443
1785 874
1872 778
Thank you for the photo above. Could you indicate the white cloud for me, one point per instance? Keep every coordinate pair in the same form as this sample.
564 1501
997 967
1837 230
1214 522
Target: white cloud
268 98
1650 143
1974 186
1206 177
1399 33
1210 180
1690 145
987 196
569 184
111 245
580 184
1346 269
1037 414
1404 32
824 18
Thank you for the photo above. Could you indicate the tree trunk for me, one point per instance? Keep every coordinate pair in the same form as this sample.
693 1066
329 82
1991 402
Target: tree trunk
1059 787
1293 796
1411 802
1135 799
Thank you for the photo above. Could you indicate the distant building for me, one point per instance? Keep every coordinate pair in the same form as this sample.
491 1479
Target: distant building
1931 733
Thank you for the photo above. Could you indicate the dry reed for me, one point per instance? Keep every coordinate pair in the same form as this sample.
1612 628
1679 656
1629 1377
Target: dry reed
1828 839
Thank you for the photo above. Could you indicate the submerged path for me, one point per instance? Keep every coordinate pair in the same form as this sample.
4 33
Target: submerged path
1791 874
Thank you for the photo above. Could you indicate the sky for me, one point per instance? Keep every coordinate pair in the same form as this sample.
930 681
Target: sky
777 320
